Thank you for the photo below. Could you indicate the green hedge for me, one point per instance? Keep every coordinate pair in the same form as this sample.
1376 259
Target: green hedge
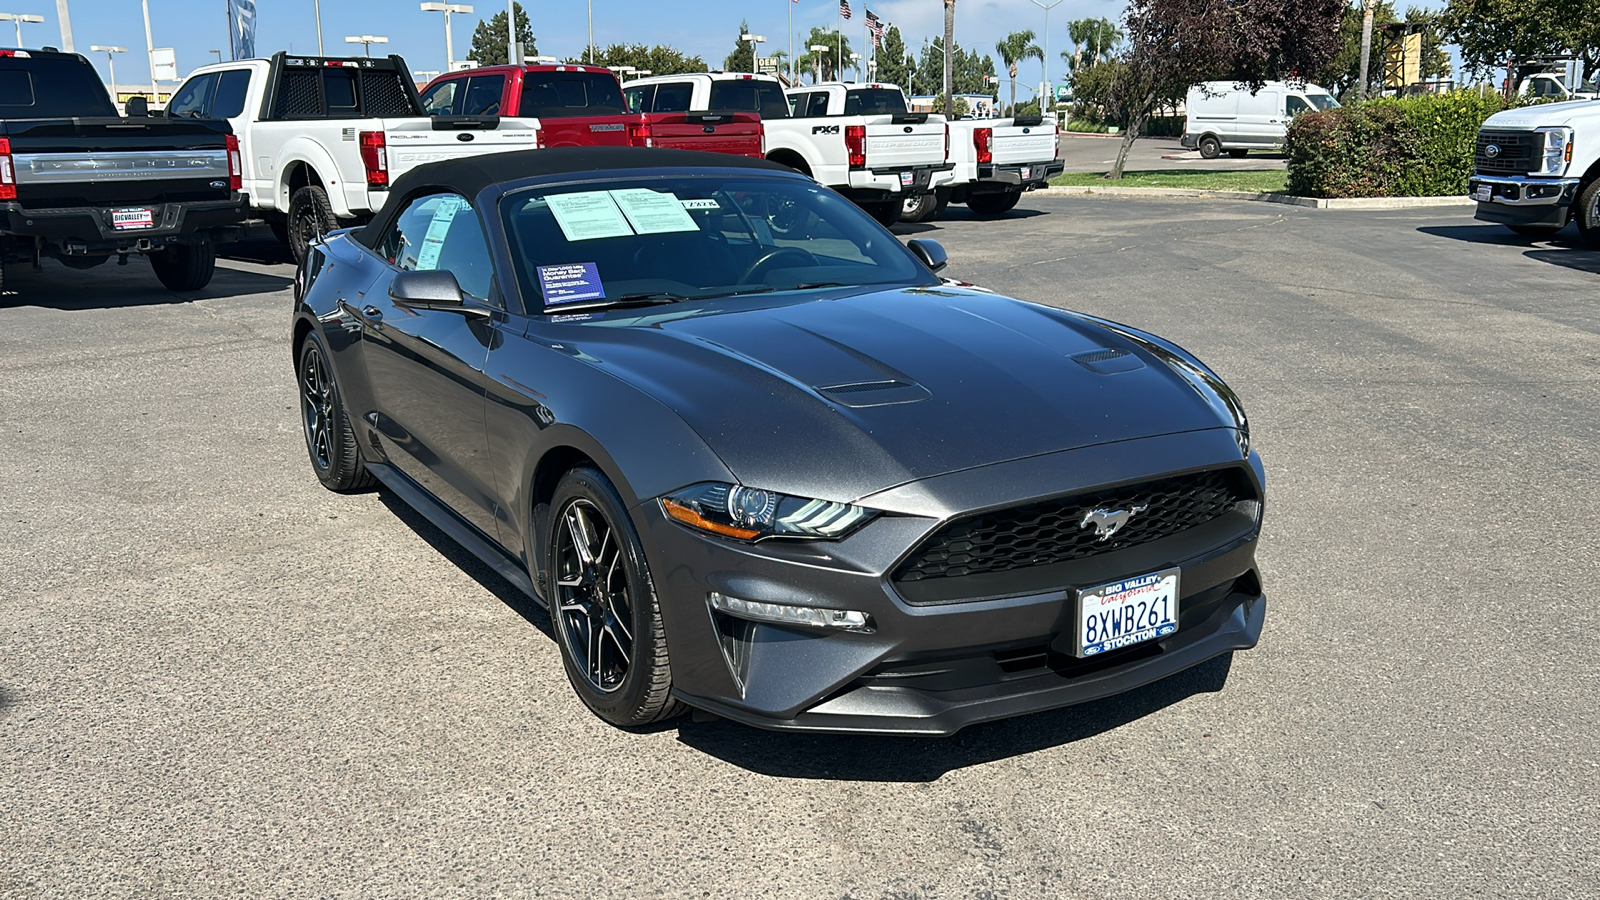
1410 147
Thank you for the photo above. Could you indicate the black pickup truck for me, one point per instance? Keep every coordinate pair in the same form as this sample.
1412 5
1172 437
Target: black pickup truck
80 184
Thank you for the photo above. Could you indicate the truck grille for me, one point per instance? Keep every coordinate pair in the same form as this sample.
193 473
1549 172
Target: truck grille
1053 531
1516 152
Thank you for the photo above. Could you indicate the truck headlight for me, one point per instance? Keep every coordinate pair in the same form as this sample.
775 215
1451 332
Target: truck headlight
1557 150
752 514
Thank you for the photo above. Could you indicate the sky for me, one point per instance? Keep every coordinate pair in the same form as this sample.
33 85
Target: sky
707 28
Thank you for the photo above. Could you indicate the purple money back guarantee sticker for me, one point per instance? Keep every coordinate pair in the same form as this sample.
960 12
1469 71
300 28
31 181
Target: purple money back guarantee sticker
570 283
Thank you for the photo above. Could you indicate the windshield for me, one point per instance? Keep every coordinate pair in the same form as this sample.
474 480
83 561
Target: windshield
669 238
749 95
556 95
874 102
51 88
1323 102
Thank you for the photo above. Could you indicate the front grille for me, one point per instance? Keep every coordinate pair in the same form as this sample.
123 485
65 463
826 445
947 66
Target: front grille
1053 531
1518 152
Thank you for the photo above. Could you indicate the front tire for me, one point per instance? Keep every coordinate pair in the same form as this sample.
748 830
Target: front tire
993 204
1210 147
185 267
330 441
603 605
310 217
1587 212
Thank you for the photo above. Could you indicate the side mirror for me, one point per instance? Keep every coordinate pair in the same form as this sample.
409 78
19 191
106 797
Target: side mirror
137 107
437 289
931 254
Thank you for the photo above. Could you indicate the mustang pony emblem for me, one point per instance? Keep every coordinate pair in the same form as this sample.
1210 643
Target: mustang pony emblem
1107 522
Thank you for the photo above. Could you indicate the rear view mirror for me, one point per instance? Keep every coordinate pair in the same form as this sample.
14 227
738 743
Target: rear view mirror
137 107
437 289
930 252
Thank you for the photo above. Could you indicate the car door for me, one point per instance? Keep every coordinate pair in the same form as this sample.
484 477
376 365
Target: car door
425 366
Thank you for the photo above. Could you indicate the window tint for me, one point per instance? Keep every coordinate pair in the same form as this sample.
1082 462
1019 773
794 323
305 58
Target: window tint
440 100
339 87
873 102
441 232
749 95
191 100
673 97
228 102
640 98
554 95
483 95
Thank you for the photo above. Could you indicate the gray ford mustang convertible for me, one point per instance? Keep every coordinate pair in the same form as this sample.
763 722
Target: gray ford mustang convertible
756 457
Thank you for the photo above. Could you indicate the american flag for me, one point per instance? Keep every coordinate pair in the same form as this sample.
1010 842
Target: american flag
844 9
874 27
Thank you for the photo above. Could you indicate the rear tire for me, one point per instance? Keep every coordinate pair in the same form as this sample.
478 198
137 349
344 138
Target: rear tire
1210 147
280 227
603 605
993 204
887 212
919 209
330 441
310 217
1587 212
185 267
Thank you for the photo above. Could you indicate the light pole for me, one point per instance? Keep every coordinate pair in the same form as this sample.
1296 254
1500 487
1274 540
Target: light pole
513 49
754 39
816 61
319 27
64 16
18 19
1046 63
449 44
111 63
218 53
368 40
591 32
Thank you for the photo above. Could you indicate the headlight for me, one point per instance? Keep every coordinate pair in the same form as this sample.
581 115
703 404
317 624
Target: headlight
1557 150
752 514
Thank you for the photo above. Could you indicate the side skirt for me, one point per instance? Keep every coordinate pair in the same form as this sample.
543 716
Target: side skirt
456 528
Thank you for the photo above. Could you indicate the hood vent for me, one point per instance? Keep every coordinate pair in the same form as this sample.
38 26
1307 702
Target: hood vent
859 394
1108 361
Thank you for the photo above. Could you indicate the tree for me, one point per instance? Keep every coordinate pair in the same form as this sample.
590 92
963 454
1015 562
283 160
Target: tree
1017 47
825 64
949 44
489 43
1093 41
1343 74
892 60
657 60
1173 44
743 57
1490 31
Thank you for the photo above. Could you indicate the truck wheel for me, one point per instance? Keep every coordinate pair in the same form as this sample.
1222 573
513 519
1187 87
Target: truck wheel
886 212
1587 212
185 267
919 209
310 217
993 204
1210 147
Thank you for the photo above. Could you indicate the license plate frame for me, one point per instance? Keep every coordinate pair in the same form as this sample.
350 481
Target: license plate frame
133 219
1122 613
1483 193
1027 172
908 178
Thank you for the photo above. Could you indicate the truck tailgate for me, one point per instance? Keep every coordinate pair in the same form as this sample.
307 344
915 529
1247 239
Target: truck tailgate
94 162
586 131
739 133
1013 144
424 139
894 145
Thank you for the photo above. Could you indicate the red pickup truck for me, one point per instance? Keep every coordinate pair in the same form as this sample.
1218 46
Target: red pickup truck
582 106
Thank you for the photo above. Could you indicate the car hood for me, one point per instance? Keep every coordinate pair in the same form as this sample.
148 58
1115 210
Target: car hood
1570 112
844 396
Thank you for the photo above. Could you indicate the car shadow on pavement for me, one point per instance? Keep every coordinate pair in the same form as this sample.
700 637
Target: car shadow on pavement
463 559
110 286
915 759
259 246
1564 248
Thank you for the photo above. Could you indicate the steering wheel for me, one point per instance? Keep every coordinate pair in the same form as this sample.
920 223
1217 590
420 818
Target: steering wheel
767 261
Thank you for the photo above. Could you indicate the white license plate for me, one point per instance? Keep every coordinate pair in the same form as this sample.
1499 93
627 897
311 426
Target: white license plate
1484 193
129 219
1027 172
906 178
1127 612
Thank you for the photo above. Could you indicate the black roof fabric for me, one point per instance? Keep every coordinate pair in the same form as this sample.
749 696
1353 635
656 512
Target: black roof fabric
470 175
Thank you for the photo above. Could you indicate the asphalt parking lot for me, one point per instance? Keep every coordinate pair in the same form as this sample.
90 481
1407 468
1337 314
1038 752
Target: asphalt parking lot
1096 153
218 679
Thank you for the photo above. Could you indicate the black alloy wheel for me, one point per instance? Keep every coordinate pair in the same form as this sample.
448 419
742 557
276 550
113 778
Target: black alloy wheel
603 605
310 217
330 441
1210 147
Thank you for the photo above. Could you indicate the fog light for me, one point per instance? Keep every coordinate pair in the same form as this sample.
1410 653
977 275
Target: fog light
784 614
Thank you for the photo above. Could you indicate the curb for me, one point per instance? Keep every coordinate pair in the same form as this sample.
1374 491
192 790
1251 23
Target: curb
1354 203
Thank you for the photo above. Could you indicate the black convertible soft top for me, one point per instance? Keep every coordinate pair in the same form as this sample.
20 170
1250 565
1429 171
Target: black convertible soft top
472 174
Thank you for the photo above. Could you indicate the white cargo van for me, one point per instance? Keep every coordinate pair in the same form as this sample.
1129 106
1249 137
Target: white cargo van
1226 116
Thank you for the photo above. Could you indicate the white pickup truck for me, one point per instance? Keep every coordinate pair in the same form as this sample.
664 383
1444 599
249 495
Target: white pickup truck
996 162
874 158
1537 168
322 139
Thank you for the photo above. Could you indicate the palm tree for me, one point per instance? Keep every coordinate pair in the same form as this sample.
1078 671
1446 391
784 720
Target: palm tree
1017 46
1092 41
949 53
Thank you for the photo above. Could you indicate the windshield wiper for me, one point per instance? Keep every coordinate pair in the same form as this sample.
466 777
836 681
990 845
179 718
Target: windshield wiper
812 285
647 298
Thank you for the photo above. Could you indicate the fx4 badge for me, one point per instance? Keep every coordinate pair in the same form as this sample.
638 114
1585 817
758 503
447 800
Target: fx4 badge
824 129
1108 522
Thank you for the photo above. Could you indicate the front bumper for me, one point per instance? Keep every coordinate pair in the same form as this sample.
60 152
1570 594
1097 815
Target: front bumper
1523 200
936 666
88 230
1010 177
1189 141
